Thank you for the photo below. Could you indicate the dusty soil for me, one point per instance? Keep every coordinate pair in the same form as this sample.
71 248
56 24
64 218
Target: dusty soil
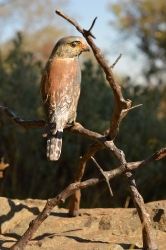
95 229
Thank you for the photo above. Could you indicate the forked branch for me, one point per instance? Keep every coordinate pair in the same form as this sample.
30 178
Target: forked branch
72 188
121 108
120 102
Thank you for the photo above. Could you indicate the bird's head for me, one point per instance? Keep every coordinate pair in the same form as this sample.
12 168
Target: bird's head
69 47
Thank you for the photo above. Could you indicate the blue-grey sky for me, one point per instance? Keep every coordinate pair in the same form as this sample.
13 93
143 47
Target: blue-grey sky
84 12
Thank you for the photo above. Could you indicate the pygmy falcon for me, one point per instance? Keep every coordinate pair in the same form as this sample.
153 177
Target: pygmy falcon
60 90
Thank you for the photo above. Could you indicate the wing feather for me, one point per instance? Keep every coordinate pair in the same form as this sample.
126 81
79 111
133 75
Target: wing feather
60 89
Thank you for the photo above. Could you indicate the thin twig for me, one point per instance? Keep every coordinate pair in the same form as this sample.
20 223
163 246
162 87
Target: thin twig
104 175
113 65
133 107
90 29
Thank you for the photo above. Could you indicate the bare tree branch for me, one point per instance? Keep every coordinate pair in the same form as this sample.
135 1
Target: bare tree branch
76 197
72 188
20 122
101 144
77 128
120 102
121 108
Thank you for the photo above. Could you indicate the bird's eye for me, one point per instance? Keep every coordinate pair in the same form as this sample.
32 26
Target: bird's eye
73 44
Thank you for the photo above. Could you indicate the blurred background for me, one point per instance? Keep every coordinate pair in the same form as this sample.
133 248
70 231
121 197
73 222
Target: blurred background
137 29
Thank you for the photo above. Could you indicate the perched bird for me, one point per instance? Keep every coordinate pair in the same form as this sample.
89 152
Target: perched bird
60 90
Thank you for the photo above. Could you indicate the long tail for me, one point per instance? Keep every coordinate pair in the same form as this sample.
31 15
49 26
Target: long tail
54 145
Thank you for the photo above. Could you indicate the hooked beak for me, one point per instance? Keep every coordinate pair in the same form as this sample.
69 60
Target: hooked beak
85 47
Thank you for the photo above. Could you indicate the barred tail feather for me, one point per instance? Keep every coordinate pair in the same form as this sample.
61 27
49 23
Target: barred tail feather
54 145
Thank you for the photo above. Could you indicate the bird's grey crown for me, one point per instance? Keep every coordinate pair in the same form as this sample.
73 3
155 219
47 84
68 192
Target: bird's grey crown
69 39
